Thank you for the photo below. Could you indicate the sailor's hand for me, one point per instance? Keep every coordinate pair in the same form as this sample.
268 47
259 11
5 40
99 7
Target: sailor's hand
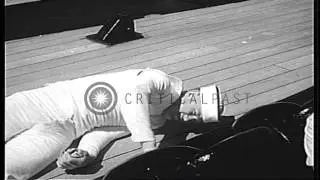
74 158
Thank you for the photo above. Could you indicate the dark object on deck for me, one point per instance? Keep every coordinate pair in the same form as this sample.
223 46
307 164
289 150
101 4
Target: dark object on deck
119 29
278 115
267 142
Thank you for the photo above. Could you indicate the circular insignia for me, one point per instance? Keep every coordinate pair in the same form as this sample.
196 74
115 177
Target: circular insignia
100 98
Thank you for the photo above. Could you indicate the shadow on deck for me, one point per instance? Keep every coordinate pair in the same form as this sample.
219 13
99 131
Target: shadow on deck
50 16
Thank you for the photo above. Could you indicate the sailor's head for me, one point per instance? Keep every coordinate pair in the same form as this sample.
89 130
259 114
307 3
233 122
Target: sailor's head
202 105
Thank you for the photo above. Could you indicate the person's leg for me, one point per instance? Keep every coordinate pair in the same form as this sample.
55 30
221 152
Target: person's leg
15 119
22 111
34 149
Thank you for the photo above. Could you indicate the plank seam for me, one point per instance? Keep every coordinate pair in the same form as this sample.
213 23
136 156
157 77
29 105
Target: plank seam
171 14
240 37
281 67
248 61
275 4
285 72
209 25
231 57
275 89
178 53
149 60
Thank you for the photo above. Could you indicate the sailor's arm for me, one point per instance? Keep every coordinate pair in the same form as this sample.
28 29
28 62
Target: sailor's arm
89 147
137 117
95 140
162 85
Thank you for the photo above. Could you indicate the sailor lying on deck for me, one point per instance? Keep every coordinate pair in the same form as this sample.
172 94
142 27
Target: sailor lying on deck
40 124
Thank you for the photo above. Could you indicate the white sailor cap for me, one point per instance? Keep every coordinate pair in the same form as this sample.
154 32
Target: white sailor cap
211 103
206 101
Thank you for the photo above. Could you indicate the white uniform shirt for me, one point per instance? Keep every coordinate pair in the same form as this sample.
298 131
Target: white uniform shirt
142 96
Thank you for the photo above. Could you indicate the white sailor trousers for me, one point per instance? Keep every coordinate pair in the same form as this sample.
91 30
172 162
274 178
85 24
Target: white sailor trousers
32 142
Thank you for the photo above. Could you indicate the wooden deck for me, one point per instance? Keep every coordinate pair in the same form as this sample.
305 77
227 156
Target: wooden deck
257 51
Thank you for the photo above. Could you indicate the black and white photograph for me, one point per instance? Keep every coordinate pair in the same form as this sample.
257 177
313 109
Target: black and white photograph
160 89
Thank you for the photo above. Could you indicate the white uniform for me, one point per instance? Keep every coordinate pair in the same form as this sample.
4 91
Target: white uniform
41 123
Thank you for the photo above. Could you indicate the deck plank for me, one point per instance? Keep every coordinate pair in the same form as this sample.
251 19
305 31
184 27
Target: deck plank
36 67
238 80
271 77
141 21
77 70
30 59
198 57
258 49
170 28
37 39
164 29
90 61
153 44
234 69
189 68
293 64
149 21
186 14
273 96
